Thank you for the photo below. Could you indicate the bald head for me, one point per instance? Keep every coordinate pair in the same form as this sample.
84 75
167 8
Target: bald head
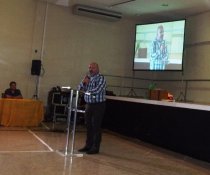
93 69
160 32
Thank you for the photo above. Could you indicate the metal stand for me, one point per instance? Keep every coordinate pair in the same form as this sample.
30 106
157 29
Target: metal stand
132 93
35 96
182 95
70 109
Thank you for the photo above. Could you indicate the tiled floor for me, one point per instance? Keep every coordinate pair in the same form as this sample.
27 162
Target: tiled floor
40 151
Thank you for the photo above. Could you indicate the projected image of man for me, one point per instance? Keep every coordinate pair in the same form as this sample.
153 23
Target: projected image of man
159 52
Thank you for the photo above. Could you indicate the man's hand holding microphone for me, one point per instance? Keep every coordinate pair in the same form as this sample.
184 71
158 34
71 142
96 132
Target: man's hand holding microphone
86 80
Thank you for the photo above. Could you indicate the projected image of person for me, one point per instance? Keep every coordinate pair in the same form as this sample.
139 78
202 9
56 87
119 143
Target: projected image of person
159 52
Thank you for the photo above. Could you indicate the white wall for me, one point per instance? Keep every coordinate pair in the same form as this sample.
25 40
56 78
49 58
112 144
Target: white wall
16 34
67 43
72 42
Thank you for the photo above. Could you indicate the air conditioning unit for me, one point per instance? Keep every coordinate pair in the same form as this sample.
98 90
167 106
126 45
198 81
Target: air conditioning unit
96 12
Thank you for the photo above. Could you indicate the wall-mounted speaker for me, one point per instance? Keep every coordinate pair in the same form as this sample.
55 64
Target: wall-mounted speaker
36 67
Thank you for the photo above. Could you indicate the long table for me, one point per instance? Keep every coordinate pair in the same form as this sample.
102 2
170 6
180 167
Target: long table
180 127
21 112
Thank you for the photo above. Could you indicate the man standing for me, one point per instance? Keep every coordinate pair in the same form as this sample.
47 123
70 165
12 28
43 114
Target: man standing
94 88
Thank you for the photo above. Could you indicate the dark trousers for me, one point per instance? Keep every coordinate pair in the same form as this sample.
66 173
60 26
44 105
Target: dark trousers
93 117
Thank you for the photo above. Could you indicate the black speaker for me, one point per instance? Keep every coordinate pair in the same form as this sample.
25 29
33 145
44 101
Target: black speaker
36 67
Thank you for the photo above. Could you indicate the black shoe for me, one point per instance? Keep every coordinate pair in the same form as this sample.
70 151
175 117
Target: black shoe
84 149
93 151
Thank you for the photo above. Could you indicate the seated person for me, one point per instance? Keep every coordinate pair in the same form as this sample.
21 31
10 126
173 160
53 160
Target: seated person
12 92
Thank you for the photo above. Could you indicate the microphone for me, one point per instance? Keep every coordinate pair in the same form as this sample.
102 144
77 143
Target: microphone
86 79
88 75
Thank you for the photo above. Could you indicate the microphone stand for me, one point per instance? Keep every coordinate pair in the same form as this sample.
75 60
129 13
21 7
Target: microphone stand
35 96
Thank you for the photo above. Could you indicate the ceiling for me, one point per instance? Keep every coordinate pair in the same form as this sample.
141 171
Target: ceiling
145 10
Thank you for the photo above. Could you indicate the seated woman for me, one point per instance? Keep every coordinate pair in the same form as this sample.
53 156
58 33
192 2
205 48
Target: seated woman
12 92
